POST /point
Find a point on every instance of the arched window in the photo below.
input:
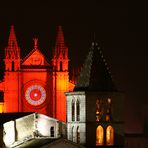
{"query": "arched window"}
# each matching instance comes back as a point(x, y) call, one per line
point(73, 110)
point(99, 135)
point(109, 135)
point(108, 111)
point(78, 134)
point(72, 134)
point(108, 116)
point(78, 110)
point(98, 110)
point(52, 131)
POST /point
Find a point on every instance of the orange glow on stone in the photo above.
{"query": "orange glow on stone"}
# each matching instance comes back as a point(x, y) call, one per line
point(110, 135)
point(1, 107)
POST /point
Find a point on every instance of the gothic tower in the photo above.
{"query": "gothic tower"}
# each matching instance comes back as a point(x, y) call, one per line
point(95, 108)
point(11, 78)
point(60, 75)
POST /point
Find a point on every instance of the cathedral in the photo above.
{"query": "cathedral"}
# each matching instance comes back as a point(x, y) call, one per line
point(33, 84)
point(87, 113)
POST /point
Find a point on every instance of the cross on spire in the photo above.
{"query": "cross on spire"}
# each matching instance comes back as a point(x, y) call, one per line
point(35, 43)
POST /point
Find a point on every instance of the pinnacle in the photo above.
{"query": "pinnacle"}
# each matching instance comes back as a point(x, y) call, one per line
point(35, 43)
point(60, 36)
point(12, 38)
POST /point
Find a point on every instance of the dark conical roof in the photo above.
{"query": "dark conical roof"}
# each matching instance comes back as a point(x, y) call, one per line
point(95, 75)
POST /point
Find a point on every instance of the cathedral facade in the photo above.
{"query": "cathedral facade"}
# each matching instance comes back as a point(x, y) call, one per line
point(33, 84)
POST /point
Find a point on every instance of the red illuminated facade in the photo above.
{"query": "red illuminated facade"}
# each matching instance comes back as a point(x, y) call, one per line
point(33, 84)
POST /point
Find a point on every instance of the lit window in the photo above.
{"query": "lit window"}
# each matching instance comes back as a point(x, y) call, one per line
point(109, 135)
point(73, 110)
point(109, 100)
point(78, 110)
point(98, 110)
point(108, 111)
point(99, 135)
point(108, 115)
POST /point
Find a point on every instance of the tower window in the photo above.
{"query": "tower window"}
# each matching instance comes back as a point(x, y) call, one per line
point(61, 66)
point(108, 116)
point(109, 100)
point(109, 135)
point(52, 131)
point(12, 65)
point(99, 135)
point(108, 111)
point(73, 110)
point(78, 134)
point(98, 110)
point(72, 134)
point(78, 110)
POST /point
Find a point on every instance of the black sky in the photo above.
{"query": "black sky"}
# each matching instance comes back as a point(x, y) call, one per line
point(119, 27)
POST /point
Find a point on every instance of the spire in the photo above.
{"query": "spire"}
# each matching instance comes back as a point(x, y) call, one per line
point(12, 36)
point(60, 48)
point(12, 50)
point(95, 75)
point(60, 54)
point(60, 36)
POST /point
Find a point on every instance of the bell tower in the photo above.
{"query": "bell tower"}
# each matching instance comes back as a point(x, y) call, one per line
point(12, 68)
point(95, 107)
point(60, 75)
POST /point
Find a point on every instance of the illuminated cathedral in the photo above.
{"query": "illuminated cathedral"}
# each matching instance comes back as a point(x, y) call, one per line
point(88, 113)
point(33, 84)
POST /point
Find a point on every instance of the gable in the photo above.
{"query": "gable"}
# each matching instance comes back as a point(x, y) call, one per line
point(35, 58)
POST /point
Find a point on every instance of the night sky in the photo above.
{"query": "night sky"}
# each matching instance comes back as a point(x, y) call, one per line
point(119, 28)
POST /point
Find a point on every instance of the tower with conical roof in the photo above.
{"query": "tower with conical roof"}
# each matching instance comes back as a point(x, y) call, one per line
point(95, 108)
point(11, 78)
point(95, 74)
point(60, 75)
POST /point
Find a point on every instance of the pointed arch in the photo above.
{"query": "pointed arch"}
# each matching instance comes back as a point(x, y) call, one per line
point(73, 110)
point(78, 110)
point(78, 134)
point(109, 135)
point(99, 135)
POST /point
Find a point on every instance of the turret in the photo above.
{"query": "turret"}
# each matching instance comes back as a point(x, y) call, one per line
point(60, 75)
point(60, 54)
point(12, 53)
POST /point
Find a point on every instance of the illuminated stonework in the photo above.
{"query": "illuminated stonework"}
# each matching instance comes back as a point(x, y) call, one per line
point(34, 84)
point(35, 95)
